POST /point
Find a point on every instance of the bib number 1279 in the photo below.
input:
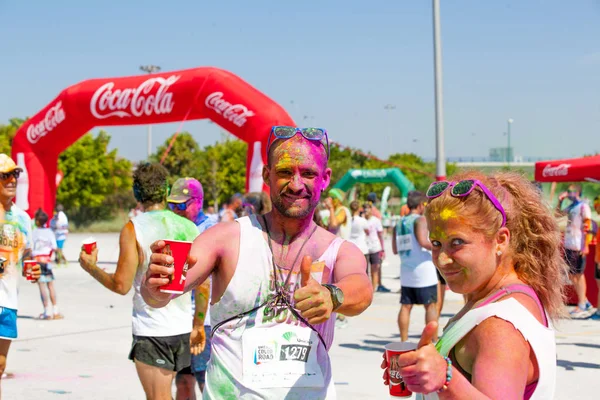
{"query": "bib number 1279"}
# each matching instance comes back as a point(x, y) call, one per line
point(294, 352)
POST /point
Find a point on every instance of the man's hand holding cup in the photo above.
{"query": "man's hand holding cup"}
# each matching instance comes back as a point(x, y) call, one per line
point(160, 269)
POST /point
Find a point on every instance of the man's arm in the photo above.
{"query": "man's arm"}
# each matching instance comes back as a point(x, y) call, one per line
point(201, 301)
point(206, 254)
point(121, 280)
point(422, 234)
point(394, 245)
point(351, 277)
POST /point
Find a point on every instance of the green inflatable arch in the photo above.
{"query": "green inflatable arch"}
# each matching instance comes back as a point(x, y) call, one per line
point(393, 175)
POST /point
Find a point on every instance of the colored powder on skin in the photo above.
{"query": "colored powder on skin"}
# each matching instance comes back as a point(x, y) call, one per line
point(447, 214)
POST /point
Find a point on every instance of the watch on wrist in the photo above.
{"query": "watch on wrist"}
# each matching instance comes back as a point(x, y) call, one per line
point(337, 296)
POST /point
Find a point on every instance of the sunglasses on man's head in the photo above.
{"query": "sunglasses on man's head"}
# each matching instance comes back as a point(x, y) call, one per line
point(6, 175)
point(463, 189)
point(287, 132)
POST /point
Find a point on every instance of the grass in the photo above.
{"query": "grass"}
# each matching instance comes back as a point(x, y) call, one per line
point(108, 226)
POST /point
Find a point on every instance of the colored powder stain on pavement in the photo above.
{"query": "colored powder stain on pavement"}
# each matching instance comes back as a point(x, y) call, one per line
point(59, 391)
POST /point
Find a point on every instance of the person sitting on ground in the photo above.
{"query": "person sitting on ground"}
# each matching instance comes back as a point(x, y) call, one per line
point(494, 240)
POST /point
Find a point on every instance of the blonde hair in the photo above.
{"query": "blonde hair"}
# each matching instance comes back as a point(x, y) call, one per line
point(535, 243)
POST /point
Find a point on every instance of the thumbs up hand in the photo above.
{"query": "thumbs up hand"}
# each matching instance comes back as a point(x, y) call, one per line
point(312, 299)
point(424, 370)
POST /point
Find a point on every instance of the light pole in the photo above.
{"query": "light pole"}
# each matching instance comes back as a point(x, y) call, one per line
point(150, 69)
point(440, 169)
point(508, 157)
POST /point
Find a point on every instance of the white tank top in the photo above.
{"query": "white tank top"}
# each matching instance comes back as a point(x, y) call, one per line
point(249, 287)
point(175, 317)
point(540, 338)
point(416, 269)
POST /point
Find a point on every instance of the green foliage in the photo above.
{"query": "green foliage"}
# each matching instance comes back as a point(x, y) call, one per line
point(95, 182)
point(7, 133)
point(221, 168)
point(183, 158)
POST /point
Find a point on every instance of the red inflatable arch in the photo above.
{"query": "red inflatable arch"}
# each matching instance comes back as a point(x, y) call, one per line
point(195, 93)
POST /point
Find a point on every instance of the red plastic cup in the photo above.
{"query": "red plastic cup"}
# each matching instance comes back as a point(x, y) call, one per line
point(179, 250)
point(28, 264)
point(397, 386)
point(89, 245)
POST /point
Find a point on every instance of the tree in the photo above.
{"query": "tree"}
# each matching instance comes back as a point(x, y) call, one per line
point(183, 158)
point(7, 133)
point(222, 170)
point(95, 181)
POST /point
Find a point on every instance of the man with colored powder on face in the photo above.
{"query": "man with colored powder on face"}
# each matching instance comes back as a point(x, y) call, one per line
point(186, 199)
point(274, 309)
point(15, 247)
point(161, 337)
point(576, 244)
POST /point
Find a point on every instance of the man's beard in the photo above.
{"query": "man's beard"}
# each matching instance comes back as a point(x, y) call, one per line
point(295, 213)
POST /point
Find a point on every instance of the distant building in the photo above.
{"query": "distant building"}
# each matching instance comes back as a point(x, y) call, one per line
point(500, 154)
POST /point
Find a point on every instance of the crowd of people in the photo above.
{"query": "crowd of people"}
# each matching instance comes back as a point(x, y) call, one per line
point(279, 271)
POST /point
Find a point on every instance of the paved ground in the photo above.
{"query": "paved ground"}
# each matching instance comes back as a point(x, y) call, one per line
point(84, 356)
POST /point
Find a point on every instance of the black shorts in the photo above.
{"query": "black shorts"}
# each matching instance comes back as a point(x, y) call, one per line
point(374, 258)
point(422, 295)
point(597, 269)
point(168, 352)
point(575, 260)
point(440, 277)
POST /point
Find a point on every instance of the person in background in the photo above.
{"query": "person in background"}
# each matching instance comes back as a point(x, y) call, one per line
point(232, 208)
point(339, 221)
point(60, 226)
point(360, 229)
point(210, 211)
point(186, 199)
point(44, 244)
point(372, 197)
point(15, 247)
point(596, 315)
point(418, 277)
point(576, 244)
point(376, 247)
point(161, 337)
point(254, 203)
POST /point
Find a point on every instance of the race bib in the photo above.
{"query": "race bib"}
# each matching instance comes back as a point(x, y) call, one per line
point(281, 356)
point(404, 242)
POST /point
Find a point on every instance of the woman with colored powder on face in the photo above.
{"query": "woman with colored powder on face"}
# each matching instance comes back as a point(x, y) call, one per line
point(499, 245)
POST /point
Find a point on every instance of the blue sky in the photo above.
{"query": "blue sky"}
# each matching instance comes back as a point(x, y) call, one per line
point(336, 62)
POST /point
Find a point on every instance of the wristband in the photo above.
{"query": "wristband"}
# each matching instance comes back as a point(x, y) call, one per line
point(448, 375)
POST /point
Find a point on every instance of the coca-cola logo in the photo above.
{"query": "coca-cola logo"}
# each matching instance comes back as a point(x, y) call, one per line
point(108, 102)
point(236, 113)
point(559, 170)
point(54, 116)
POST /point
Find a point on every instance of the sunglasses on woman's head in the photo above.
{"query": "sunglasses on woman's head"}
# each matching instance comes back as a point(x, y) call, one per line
point(6, 175)
point(463, 189)
point(287, 132)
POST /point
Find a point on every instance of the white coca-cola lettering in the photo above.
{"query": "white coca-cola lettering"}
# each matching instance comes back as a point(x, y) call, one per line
point(136, 102)
point(236, 113)
point(559, 170)
point(54, 116)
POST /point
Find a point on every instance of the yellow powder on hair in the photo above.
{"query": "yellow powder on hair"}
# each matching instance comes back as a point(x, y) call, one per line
point(447, 214)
